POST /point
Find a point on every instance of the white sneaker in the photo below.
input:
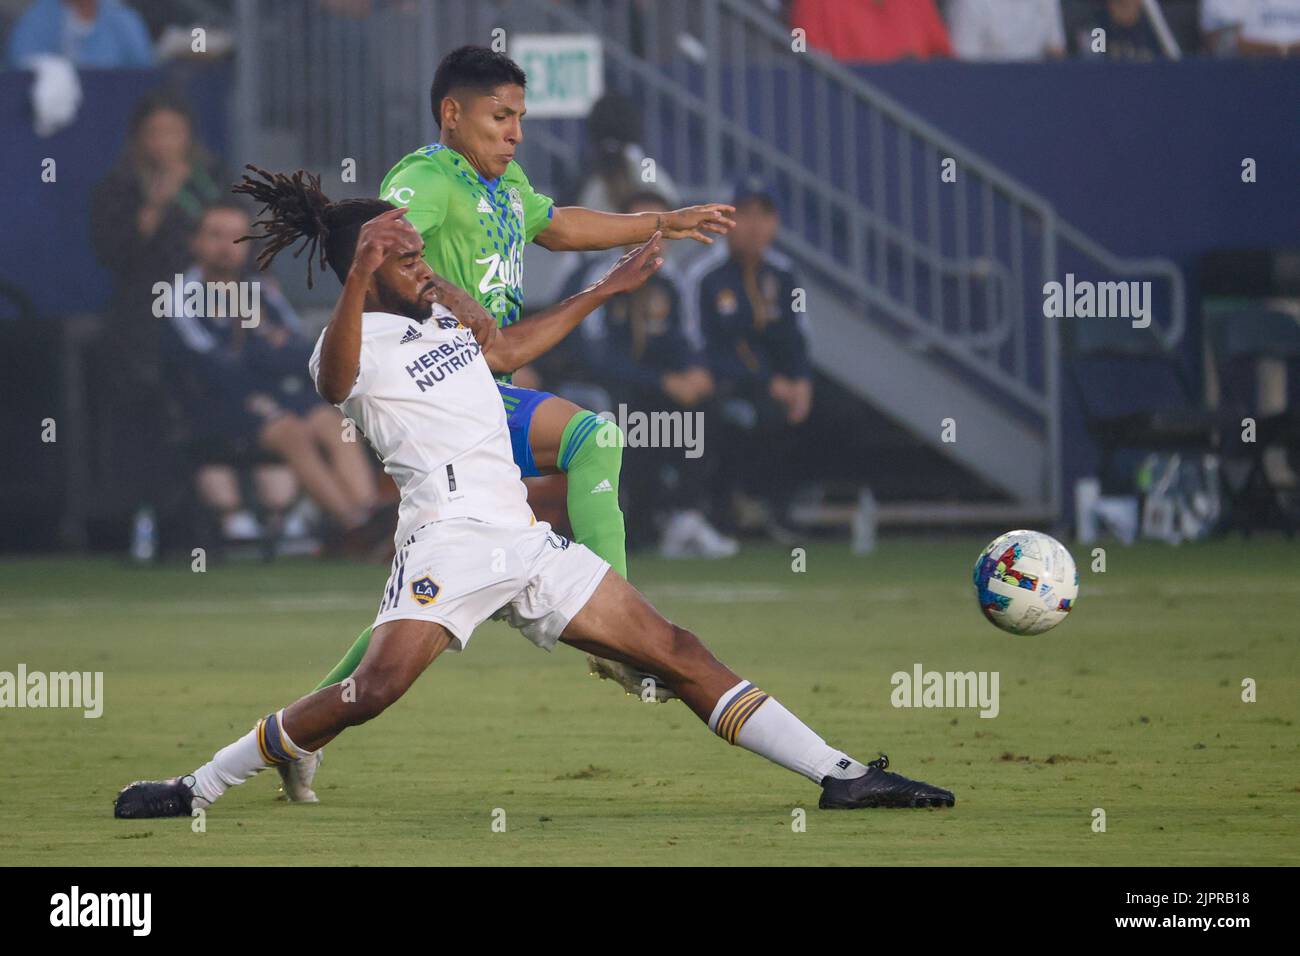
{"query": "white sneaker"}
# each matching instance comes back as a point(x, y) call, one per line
point(300, 520)
point(689, 535)
point(678, 539)
point(296, 778)
point(240, 526)
point(712, 543)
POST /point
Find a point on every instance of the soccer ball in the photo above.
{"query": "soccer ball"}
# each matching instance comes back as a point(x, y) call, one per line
point(1026, 582)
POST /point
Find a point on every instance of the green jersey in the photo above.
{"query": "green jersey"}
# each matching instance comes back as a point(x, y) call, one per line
point(474, 229)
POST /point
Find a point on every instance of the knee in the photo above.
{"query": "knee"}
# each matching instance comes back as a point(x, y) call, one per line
point(286, 433)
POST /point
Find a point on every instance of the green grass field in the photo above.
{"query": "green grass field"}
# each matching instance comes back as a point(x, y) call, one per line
point(1133, 705)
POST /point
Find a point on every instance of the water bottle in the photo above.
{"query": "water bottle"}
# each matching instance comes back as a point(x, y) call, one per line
point(864, 523)
point(144, 536)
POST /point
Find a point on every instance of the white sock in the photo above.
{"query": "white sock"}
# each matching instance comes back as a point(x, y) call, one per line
point(751, 719)
point(264, 746)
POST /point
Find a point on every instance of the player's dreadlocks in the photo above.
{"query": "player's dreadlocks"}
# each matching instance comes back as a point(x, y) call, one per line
point(294, 207)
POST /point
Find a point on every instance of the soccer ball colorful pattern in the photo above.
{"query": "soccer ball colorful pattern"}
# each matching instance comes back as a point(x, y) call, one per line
point(1026, 582)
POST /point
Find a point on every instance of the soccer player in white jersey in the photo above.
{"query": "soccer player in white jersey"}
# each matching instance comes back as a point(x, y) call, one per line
point(415, 380)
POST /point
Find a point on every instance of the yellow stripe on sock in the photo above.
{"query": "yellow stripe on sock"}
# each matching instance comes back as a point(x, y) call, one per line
point(732, 709)
point(742, 718)
point(261, 741)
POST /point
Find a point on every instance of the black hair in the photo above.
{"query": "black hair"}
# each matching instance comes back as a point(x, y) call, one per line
point(614, 119)
point(293, 208)
point(156, 101)
point(472, 67)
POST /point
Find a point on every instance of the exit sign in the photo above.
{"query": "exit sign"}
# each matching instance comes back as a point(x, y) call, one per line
point(565, 72)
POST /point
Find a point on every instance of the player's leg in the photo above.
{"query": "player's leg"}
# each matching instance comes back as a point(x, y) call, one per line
point(399, 652)
point(589, 450)
point(548, 433)
point(551, 434)
point(618, 622)
point(344, 668)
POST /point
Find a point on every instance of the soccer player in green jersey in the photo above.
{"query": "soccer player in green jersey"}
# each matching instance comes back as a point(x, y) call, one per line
point(475, 209)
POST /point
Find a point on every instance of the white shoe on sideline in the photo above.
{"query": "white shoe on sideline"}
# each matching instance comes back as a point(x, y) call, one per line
point(688, 534)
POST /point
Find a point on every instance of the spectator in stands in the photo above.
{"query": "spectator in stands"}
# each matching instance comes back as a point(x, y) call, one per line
point(142, 216)
point(638, 351)
point(616, 158)
point(872, 32)
point(102, 34)
point(1129, 33)
point(1006, 29)
point(1252, 27)
point(744, 304)
point(247, 390)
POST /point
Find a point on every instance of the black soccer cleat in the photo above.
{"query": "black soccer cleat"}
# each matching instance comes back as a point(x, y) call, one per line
point(879, 788)
point(155, 798)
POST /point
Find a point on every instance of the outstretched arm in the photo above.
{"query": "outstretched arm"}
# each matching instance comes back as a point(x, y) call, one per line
point(518, 344)
point(340, 355)
point(581, 229)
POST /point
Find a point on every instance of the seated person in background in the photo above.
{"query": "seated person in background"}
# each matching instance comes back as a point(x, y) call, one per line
point(637, 350)
point(1129, 34)
point(1005, 30)
point(218, 490)
point(102, 34)
point(247, 389)
point(743, 308)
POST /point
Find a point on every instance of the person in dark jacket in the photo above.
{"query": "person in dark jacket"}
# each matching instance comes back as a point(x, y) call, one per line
point(747, 309)
point(637, 350)
point(142, 217)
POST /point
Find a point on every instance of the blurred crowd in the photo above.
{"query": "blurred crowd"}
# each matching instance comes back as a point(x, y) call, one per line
point(134, 33)
point(718, 334)
point(206, 386)
point(718, 337)
point(874, 31)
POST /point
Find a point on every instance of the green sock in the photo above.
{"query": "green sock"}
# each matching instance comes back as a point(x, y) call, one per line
point(591, 454)
point(350, 662)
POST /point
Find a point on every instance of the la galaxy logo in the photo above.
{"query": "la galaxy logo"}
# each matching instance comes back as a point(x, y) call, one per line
point(424, 591)
point(726, 302)
point(446, 323)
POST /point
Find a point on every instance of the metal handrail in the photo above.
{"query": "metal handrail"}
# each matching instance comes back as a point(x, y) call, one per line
point(959, 272)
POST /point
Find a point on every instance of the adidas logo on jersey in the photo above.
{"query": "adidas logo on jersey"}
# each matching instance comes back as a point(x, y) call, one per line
point(484, 205)
point(603, 486)
point(412, 333)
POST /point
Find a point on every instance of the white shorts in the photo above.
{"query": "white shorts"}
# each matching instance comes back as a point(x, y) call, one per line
point(460, 572)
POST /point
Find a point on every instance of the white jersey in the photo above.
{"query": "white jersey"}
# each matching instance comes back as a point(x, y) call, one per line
point(427, 403)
